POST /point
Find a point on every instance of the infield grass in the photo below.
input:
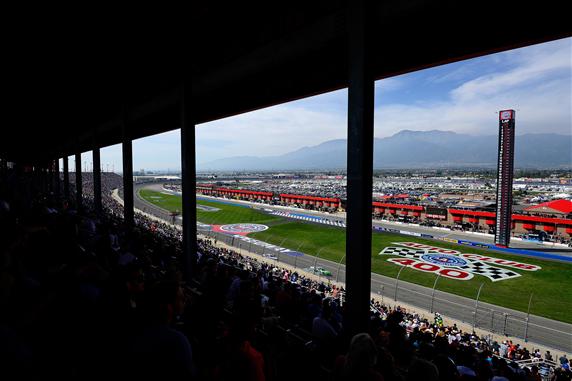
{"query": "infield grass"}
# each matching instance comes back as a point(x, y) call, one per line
point(550, 286)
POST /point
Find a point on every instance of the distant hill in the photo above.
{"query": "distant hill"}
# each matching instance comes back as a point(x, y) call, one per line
point(415, 149)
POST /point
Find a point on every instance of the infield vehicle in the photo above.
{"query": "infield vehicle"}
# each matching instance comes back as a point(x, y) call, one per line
point(320, 271)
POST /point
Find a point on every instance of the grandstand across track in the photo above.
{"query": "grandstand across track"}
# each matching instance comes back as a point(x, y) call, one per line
point(559, 250)
point(541, 330)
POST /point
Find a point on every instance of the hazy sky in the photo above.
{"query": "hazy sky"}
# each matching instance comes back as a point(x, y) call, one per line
point(463, 97)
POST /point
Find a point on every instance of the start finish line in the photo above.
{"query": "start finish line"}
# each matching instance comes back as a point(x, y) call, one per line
point(452, 263)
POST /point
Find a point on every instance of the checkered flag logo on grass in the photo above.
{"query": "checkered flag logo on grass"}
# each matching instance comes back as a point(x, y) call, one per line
point(433, 256)
point(404, 252)
point(491, 272)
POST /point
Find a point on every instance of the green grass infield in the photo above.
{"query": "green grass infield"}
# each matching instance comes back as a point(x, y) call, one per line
point(550, 285)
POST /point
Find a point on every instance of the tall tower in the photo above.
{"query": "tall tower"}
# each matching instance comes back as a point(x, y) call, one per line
point(505, 171)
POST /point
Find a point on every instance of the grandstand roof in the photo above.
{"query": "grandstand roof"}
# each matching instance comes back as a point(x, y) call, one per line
point(67, 78)
point(244, 191)
point(556, 206)
point(515, 217)
point(311, 198)
point(397, 206)
point(473, 213)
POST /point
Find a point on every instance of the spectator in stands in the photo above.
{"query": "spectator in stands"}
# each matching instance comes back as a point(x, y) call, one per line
point(564, 362)
point(446, 368)
point(422, 370)
point(235, 342)
point(534, 374)
point(504, 349)
point(560, 375)
point(239, 359)
point(504, 372)
point(323, 327)
point(548, 356)
point(359, 363)
point(157, 350)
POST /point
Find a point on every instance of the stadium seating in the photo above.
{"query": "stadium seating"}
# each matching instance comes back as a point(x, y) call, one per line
point(85, 298)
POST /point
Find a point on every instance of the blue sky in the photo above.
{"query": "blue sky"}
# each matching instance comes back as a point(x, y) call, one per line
point(462, 97)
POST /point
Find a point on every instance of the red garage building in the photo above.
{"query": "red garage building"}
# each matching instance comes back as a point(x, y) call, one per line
point(326, 202)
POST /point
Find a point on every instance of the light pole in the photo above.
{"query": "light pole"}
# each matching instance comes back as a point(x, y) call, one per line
point(433, 293)
point(505, 321)
point(279, 249)
point(316, 261)
point(527, 319)
point(264, 246)
point(339, 265)
point(297, 252)
point(476, 306)
point(318, 256)
point(397, 282)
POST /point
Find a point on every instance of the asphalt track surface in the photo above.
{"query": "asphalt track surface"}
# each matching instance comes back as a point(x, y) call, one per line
point(499, 320)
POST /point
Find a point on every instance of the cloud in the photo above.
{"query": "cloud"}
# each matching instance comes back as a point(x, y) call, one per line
point(535, 69)
point(160, 151)
point(389, 84)
point(462, 97)
point(111, 157)
point(271, 131)
point(283, 128)
point(537, 85)
point(535, 81)
point(454, 72)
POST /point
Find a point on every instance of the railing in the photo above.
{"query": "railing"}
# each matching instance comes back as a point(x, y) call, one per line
point(545, 367)
point(477, 315)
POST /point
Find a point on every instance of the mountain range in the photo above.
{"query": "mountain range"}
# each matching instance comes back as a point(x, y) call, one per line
point(414, 149)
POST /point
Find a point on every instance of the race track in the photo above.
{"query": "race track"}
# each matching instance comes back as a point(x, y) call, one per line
point(500, 320)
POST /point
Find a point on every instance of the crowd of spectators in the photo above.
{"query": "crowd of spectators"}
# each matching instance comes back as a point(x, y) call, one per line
point(336, 188)
point(86, 298)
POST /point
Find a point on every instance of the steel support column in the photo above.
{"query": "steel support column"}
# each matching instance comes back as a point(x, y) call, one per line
point(188, 174)
point(3, 174)
point(46, 177)
point(66, 178)
point(57, 178)
point(78, 183)
point(48, 180)
point(37, 175)
point(128, 213)
point(359, 170)
point(52, 176)
point(96, 171)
